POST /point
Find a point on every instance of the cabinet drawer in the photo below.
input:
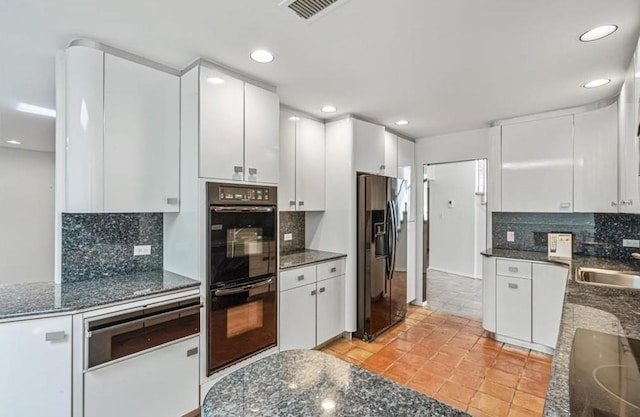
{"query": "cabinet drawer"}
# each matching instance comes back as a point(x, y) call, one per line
point(294, 278)
point(331, 269)
point(516, 269)
point(513, 309)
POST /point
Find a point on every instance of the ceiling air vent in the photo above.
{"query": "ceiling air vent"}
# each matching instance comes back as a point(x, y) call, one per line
point(311, 9)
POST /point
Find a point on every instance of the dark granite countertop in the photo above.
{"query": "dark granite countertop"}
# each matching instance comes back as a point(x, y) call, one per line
point(599, 308)
point(305, 257)
point(311, 383)
point(36, 298)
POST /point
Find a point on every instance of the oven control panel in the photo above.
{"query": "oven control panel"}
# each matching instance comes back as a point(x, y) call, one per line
point(236, 194)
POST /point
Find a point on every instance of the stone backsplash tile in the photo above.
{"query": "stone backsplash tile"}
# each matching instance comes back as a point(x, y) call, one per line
point(101, 245)
point(292, 222)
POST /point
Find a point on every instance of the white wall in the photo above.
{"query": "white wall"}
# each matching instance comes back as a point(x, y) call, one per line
point(453, 217)
point(26, 215)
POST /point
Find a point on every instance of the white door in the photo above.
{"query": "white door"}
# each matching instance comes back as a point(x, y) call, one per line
point(310, 165)
point(287, 184)
point(221, 126)
point(163, 383)
point(489, 294)
point(370, 147)
point(35, 359)
point(141, 138)
point(298, 318)
point(390, 155)
point(330, 309)
point(595, 164)
point(537, 166)
point(549, 283)
point(261, 125)
point(513, 307)
point(406, 171)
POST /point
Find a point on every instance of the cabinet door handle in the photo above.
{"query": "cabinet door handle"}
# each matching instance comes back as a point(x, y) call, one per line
point(383, 167)
point(314, 292)
point(513, 269)
point(192, 352)
point(55, 336)
point(292, 203)
point(253, 171)
point(334, 269)
point(300, 277)
point(565, 205)
point(627, 202)
point(238, 169)
point(614, 204)
point(301, 203)
point(514, 286)
point(172, 200)
point(323, 289)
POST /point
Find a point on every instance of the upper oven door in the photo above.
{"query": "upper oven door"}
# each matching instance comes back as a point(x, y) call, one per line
point(242, 243)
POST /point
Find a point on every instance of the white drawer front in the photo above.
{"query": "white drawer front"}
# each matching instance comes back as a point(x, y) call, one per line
point(516, 269)
point(331, 269)
point(293, 278)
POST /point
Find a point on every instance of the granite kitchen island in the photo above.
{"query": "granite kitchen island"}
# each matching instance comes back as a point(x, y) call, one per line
point(311, 383)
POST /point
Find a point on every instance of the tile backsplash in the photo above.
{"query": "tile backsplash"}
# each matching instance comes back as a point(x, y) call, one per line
point(101, 245)
point(292, 222)
point(595, 234)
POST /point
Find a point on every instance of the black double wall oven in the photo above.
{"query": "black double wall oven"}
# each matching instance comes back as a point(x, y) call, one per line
point(241, 272)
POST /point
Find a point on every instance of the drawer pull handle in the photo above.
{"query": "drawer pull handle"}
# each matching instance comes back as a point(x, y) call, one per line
point(55, 336)
point(192, 352)
point(301, 278)
point(314, 292)
point(172, 200)
point(301, 203)
point(238, 169)
point(514, 286)
point(334, 269)
point(253, 171)
point(292, 203)
point(323, 289)
point(513, 269)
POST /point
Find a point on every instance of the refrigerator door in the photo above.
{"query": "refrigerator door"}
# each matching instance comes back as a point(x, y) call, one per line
point(398, 237)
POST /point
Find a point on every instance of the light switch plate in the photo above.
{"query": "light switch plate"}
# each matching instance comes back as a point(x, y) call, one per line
point(288, 237)
point(631, 243)
point(140, 250)
point(511, 237)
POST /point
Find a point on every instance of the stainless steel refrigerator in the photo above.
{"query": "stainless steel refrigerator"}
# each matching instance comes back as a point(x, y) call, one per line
point(382, 233)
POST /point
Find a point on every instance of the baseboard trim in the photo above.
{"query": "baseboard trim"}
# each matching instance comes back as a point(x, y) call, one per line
point(446, 271)
point(524, 344)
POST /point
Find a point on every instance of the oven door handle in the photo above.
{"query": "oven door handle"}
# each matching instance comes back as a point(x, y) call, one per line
point(240, 209)
point(243, 288)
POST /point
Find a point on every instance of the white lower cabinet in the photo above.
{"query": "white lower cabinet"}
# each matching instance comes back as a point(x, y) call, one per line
point(35, 358)
point(163, 382)
point(513, 309)
point(489, 294)
point(298, 318)
point(330, 309)
point(549, 283)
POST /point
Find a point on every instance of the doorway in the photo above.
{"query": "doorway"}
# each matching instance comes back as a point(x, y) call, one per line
point(455, 233)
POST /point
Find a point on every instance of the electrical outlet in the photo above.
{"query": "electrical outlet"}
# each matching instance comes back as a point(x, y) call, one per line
point(140, 250)
point(511, 237)
point(288, 237)
point(631, 243)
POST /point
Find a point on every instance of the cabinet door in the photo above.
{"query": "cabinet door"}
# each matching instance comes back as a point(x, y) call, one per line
point(549, 283)
point(629, 152)
point(163, 382)
point(221, 126)
point(390, 155)
point(406, 171)
point(287, 184)
point(310, 166)
point(537, 166)
point(298, 318)
point(261, 125)
point(595, 164)
point(513, 307)
point(35, 358)
point(330, 309)
point(141, 138)
point(489, 294)
point(370, 146)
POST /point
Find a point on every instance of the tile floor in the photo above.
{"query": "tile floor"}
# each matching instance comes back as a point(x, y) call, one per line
point(454, 294)
point(452, 359)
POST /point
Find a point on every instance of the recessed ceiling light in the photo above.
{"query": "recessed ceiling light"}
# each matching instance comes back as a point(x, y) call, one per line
point(14, 142)
point(597, 83)
point(294, 118)
point(329, 109)
point(598, 33)
point(402, 122)
point(215, 80)
point(40, 111)
point(262, 56)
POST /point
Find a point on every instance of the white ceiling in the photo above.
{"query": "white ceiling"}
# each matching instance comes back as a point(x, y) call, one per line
point(444, 65)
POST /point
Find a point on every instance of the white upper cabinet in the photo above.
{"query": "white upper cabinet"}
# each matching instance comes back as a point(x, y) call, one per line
point(390, 155)
point(141, 138)
point(221, 125)
point(261, 124)
point(537, 166)
point(406, 171)
point(287, 184)
point(595, 166)
point(122, 122)
point(239, 125)
point(628, 130)
point(370, 147)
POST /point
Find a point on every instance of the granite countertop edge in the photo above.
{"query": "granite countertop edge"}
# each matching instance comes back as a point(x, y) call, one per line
point(295, 259)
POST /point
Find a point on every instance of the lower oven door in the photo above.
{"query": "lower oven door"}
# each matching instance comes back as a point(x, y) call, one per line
point(242, 322)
